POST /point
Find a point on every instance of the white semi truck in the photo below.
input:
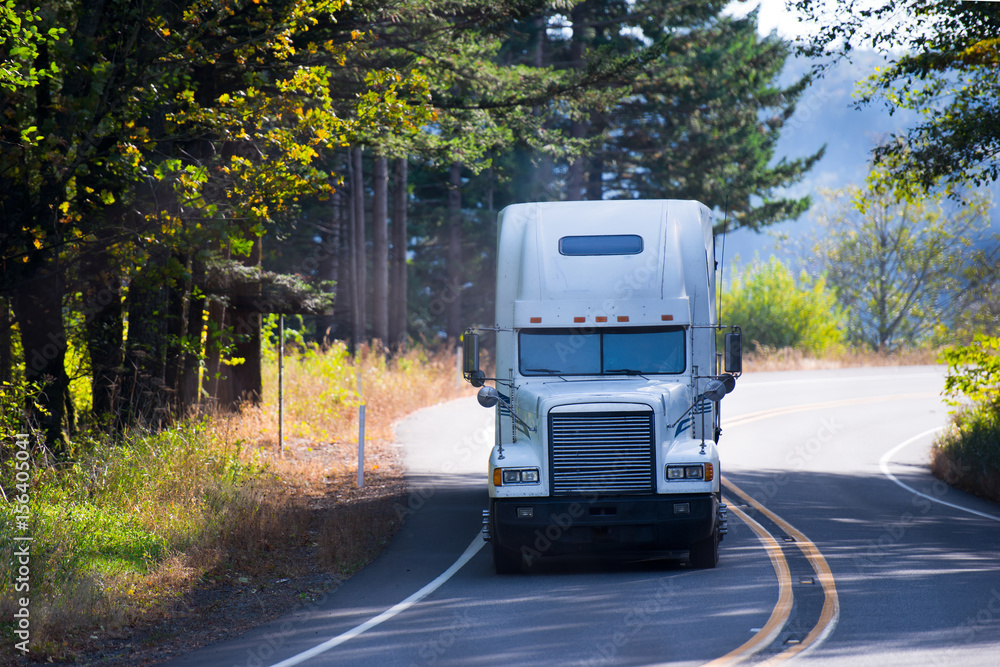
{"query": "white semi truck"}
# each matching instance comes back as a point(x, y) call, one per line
point(607, 383)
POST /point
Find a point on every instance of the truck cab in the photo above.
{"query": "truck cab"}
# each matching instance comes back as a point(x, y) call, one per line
point(607, 383)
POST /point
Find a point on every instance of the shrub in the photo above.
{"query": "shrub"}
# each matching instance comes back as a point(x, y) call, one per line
point(967, 455)
point(777, 311)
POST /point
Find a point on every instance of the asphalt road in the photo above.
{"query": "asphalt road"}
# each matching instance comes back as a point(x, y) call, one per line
point(842, 550)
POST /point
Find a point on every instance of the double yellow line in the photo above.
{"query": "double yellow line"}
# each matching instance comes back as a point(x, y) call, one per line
point(783, 609)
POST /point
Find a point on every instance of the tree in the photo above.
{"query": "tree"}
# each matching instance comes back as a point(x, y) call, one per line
point(697, 117)
point(980, 310)
point(648, 120)
point(703, 121)
point(775, 310)
point(167, 136)
point(897, 266)
point(945, 64)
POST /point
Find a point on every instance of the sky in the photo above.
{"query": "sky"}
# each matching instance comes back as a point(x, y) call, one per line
point(773, 16)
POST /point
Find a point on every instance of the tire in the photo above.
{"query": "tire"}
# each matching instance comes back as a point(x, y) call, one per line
point(705, 554)
point(505, 561)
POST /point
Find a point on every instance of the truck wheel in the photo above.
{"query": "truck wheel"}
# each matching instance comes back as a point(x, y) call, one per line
point(505, 561)
point(705, 554)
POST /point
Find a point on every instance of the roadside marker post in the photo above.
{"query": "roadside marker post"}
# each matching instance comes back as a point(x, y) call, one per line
point(361, 435)
point(281, 385)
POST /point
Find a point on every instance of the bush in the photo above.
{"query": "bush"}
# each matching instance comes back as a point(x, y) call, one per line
point(777, 311)
point(967, 455)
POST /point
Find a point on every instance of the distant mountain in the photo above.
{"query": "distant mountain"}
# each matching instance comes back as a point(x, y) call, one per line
point(826, 114)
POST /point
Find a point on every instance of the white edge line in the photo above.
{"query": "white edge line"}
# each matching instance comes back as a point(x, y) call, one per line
point(470, 551)
point(884, 465)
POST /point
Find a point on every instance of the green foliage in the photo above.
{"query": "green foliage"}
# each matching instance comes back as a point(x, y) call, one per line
point(775, 310)
point(20, 38)
point(974, 372)
point(968, 453)
point(15, 397)
point(944, 63)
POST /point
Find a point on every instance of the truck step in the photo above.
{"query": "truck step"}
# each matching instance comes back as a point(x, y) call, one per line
point(486, 525)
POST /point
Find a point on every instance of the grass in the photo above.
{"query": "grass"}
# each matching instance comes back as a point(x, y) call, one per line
point(967, 454)
point(764, 358)
point(138, 529)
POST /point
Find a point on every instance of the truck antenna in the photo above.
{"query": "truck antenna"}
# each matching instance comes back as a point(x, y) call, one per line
point(722, 265)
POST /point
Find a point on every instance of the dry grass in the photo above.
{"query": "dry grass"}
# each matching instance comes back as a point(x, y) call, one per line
point(789, 359)
point(178, 538)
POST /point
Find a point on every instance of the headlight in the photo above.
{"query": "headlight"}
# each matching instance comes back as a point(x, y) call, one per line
point(702, 471)
point(503, 476)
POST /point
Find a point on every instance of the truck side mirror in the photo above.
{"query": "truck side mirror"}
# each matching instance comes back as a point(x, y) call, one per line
point(715, 390)
point(488, 397)
point(470, 360)
point(734, 352)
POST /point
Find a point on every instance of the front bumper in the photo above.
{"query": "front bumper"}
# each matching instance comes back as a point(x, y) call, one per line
point(626, 524)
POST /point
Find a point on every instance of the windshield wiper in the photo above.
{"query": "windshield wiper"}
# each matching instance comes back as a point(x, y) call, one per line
point(542, 370)
point(624, 371)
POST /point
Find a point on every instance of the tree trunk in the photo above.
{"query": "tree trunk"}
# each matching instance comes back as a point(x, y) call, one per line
point(360, 264)
point(380, 251)
point(37, 305)
point(400, 244)
point(540, 30)
point(144, 386)
point(177, 329)
point(188, 386)
point(578, 128)
point(328, 270)
point(215, 341)
point(452, 294)
point(105, 329)
point(245, 378)
point(246, 384)
point(6, 323)
point(343, 303)
point(595, 179)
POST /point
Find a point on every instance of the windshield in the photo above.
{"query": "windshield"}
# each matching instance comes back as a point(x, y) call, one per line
point(638, 351)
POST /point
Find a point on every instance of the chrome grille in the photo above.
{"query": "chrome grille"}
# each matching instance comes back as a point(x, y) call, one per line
point(601, 452)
